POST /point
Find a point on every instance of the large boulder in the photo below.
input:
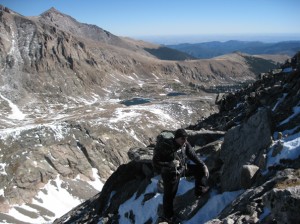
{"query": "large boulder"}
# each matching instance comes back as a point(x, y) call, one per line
point(243, 145)
point(248, 175)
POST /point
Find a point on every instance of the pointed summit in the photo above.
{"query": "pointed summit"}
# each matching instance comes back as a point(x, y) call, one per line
point(57, 18)
point(51, 12)
point(52, 9)
point(67, 23)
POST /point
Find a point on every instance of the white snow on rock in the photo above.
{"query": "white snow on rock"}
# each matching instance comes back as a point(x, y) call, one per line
point(53, 197)
point(280, 101)
point(97, 184)
point(291, 149)
point(214, 206)
point(59, 130)
point(2, 169)
point(143, 211)
point(16, 114)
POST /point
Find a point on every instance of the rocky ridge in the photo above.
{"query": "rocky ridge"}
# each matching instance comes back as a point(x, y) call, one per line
point(254, 166)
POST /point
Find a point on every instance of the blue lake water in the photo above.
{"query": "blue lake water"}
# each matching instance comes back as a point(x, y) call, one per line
point(142, 100)
point(135, 101)
point(176, 94)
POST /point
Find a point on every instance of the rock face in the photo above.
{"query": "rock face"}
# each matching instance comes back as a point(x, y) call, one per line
point(242, 146)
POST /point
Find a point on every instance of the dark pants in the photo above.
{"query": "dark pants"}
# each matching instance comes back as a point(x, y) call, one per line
point(171, 181)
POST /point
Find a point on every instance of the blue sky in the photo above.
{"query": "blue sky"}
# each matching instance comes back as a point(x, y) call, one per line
point(174, 17)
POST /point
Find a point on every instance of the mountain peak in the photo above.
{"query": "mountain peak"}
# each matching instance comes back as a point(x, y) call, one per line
point(51, 11)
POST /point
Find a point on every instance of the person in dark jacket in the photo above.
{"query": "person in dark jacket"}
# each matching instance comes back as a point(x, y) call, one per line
point(171, 163)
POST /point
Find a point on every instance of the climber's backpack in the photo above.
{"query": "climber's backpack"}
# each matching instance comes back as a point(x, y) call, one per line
point(163, 149)
point(164, 143)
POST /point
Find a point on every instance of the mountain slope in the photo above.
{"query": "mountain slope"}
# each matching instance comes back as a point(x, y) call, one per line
point(254, 168)
point(33, 47)
point(87, 31)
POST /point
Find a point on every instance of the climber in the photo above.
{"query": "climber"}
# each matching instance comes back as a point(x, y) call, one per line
point(170, 160)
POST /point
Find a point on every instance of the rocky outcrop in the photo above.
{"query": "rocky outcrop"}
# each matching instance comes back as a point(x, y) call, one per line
point(244, 145)
point(283, 200)
point(258, 204)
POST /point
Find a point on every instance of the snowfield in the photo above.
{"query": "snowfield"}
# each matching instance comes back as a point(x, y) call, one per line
point(54, 198)
point(148, 210)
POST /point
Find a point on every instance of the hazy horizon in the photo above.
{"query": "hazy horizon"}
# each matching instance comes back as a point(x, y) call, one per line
point(180, 39)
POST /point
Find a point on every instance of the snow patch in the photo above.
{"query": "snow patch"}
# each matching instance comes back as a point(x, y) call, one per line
point(279, 101)
point(96, 184)
point(122, 114)
point(136, 76)
point(2, 169)
point(51, 197)
point(23, 218)
point(134, 136)
point(214, 206)
point(14, 50)
point(155, 76)
point(146, 210)
point(56, 199)
point(94, 99)
point(16, 114)
point(291, 150)
point(60, 130)
point(143, 210)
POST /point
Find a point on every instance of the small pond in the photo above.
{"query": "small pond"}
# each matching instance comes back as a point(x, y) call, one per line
point(135, 101)
point(176, 94)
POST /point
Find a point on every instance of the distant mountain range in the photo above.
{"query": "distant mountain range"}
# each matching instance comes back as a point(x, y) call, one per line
point(216, 48)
